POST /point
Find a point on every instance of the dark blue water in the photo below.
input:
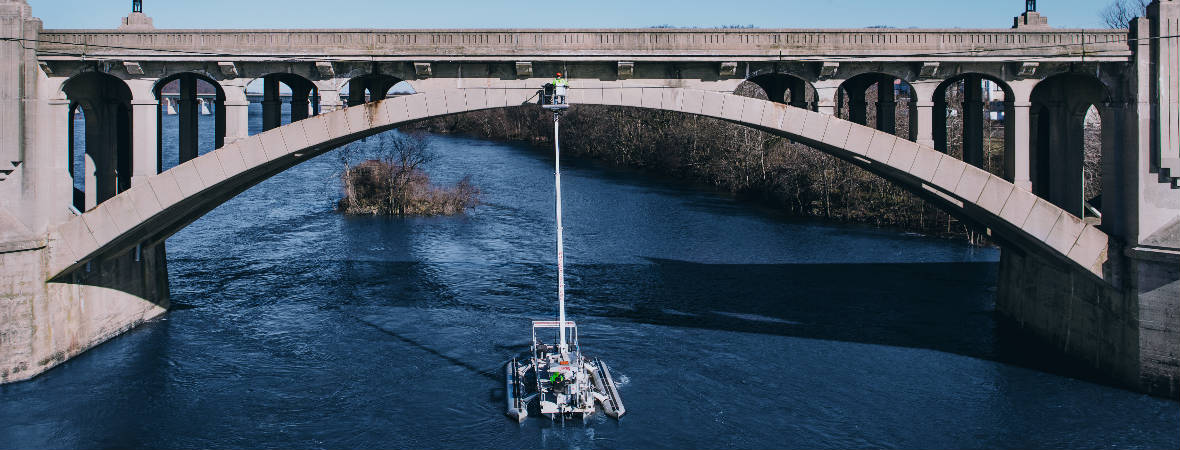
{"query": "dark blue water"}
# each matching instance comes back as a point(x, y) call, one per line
point(728, 327)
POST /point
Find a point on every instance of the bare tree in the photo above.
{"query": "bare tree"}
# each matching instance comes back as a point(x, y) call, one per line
point(406, 154)
point(1118, 13)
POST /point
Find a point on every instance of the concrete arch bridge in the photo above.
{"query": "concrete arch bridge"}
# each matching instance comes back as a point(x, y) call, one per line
point(82, 243)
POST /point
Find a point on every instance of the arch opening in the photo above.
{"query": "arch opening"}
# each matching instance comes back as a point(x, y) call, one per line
point(373, 87)
point(973, 116)
point(249, 164)
point(1067, 144)
point(885, 101)
point(195, 100)
point(285, 98)
point(99, 141)
point(781, 88)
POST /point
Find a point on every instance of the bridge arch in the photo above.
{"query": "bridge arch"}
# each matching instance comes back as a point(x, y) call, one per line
point(1060, 105)
point(102, 161)
point(167, 202)
point(975, 104)
point(190, 106)
point(852, 102)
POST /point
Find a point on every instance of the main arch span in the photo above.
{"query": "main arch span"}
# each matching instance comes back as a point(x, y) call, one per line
point(167, 202)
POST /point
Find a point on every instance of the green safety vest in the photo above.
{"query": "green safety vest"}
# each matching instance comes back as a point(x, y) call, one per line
point(560, 82)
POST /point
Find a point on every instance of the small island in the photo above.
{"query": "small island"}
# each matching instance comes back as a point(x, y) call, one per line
point(393, 183)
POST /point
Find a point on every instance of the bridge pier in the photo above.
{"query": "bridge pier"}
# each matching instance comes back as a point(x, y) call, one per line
point(1127, 335)
point(48, 322)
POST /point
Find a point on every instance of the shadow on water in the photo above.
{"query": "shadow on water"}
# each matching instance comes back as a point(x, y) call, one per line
point(490, 374)
point(953, 312)
point(877, 304)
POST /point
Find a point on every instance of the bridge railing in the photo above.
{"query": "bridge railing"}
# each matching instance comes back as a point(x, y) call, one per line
point(629, 43)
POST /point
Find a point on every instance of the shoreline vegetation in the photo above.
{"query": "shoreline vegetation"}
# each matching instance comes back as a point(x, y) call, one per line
point(395, 184)
point(790, 177)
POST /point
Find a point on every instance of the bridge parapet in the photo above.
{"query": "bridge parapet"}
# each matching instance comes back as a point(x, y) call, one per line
point(595, 44)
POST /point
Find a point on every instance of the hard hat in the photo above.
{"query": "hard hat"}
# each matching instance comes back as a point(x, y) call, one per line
point(559, 74)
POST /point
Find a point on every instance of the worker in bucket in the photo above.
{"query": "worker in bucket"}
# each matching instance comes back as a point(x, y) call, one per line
point(559, 85)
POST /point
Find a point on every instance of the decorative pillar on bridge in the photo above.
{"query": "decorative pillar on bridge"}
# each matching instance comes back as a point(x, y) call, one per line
point(237, 109)
point(923, 112)
point(1018, 127)
point(145, 110)
point(329, 95)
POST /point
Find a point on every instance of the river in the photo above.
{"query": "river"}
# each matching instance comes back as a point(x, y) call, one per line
point(728, 326)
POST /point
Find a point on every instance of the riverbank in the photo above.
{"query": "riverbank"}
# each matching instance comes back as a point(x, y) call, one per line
point(790, 177)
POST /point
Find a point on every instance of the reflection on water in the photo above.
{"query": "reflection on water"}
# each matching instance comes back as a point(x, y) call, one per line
point(730, 328)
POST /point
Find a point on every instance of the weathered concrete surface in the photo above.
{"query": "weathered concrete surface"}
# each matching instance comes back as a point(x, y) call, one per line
point(630, 45)
point(1155, 282)
point(43, 324)
point(1130, 336)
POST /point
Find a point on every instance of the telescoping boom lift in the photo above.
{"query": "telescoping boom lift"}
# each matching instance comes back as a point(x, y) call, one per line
point(565, 383)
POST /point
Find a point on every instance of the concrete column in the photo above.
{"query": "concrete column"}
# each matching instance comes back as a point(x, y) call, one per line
point(145, 113)
point(58, 126)
point(299, 104)
point(90, 182)
point(973, 121)
point(922, 114)
point(14, 85)
point(237, 110)
point(857, 106)
point(1068, 168)
point(219, 123)
point(101, 153)
point(886, 106)
point(938, 125)
point(124, 158)
point(356, 92)
point(188, 116)
point(1009, 139)
point(329, 95)
point(826, 93)
point(1017, 160)
point(272, 104)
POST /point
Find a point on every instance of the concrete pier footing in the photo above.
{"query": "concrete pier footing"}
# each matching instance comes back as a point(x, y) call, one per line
point(44, 323)
point(1129, 336)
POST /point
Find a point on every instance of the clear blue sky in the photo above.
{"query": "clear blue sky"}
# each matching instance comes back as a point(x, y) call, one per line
point(592, 13)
